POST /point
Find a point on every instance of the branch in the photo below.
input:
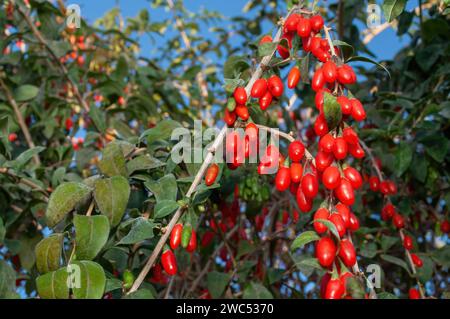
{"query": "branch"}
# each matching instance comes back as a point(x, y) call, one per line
point(23, 126)
point(209, 157)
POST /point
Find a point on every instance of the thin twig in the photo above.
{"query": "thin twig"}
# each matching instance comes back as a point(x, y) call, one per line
point(20, 120)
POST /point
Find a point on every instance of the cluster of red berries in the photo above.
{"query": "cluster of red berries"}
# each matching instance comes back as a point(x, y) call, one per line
point(180, 235)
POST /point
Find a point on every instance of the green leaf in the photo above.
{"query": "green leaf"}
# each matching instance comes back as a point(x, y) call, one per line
point(98, 117)
point(162, 131)
point(48, 253)
point(53, 285)
point(113, 161)
point(346, 48)
point(437, 147)
point(140, 294)
point(425, 273)
point(368, 60)
point(25, 93)
point(368, 250)
point(331, 110)
point(234, 66)
point(331, 227)
point(442, 256)
point(63, 200)
point(217, 282)
point(304, 238)
point(255, 290)
point(395, 261)
point(403, 158)
point(7, 279)
point(91, 235)
point(164, 189)
point(92, 280)
point(141, 229)
point(266, 48)
point(419, 167)
point(25, 157)
point(143, 162)
point(386, 295)
point(164, 208)
point(274, 275)
point(387, 242)
point(355, 288)
point(404, 22)
point(393, 8)
point(112, 195)
point(27, 249)
point(2, 231)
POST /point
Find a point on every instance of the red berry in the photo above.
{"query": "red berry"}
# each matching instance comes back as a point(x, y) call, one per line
point(321, 213)
point(316, 23)
point(240, 96)
point(303, 202)
point(303, 28)
point(296, 172)
point(259, 88)
point(175, 236)
point(353, 222)
point(347, 253)
point(344, 192)
point(266, 39)
point(275, 86)
point(358, 112)
point(321, 126)
point(169, 262)
point(211, 174)
point(318, 80)
point(325, 251)
point(445, 226)
point(331, 177)
point(192, 242)
point(374, 183)
point(265, 100)
point(346, 105)
point(408, 242)
point(416, 260)
point(354, 177)
point(296, 151)
point(339, 223)
point(323, 160)
point(293, 77)
point(398, 221)
point(230, 117)
point(344, 211)
point(12, 137)
point(329, 71)
point(242, 112)
point(292, 22)
point(326, 143)
point(309, 185)
point(414, 293)
point(340, 148)
point(350, 136)
point(335, 289)
point(283, 179)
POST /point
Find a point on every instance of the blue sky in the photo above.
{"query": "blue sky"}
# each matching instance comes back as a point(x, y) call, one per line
point(384, 46)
